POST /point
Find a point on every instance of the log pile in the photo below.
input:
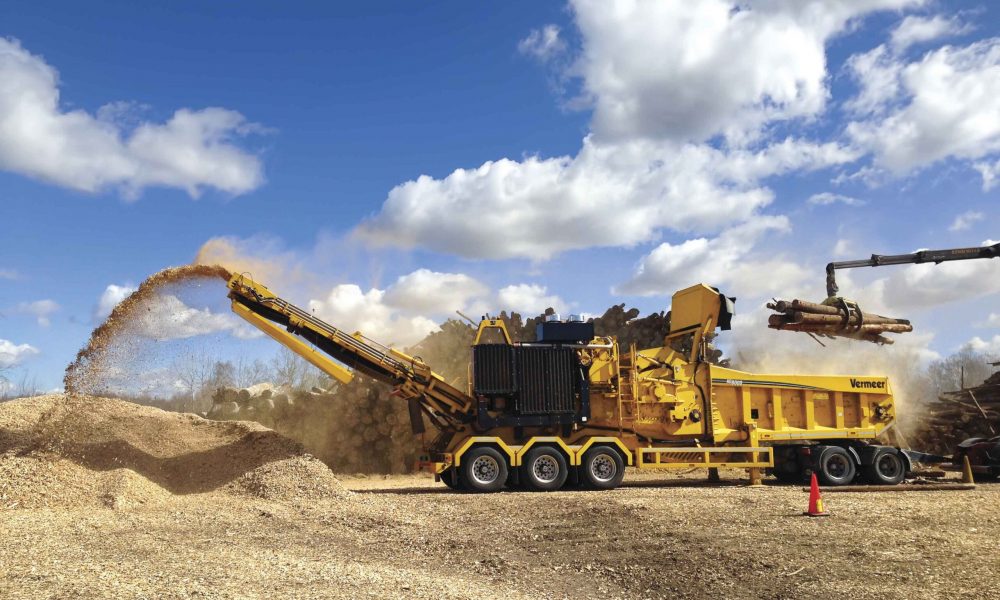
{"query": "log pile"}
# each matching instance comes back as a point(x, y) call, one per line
point(353, 428)
point(834, 318)
point(957, 416)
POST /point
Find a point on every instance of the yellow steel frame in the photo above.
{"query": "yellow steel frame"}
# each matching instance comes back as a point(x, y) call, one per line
point(603, 440)
point(492, 324)
point(571, 452)
point(294, 344)
point(706, 457)
point(516, 453)
point(483, 439)
point(645, 458)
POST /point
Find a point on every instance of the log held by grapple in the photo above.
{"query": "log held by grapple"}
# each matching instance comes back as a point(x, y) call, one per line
point(834, 318)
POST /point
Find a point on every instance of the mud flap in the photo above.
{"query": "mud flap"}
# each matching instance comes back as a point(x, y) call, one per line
point(416, 417)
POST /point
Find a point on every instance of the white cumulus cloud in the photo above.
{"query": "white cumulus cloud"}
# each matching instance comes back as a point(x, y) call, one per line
point(110, 297)
point(716, 261)
point(607, 195)
point(992, 321)
point(990, 346)
point(193, 150)
point(347, 307)
point(529, 299)
point(826, 198)
point(947, 104)
point(12, 354)
point(690, 70)
point(990, 172)
point(665, 80)
point(429, 292)
point(167, 317)
point(411, 307)
point(544, 43)
point(40, 309)
point(915, 29)
point(965, 220)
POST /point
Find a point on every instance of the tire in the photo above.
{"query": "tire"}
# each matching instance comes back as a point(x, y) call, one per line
point(544, 469)
point(834, 466)
point(602, 468)
point(483, 469)
point(787, 468)
point(788, 476)
point(887, 468)
point(450, 479)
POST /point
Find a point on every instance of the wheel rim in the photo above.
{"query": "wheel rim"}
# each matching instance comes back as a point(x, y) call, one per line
point(545, 468)
point(603, 468)
point(888, 466)
point(485, 469)
point(837, 466)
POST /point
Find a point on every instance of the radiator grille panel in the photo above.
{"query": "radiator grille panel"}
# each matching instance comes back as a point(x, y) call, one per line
point(493, 369)
point(545, 378)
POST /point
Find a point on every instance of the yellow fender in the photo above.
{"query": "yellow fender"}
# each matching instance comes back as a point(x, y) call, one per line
point(511, 454)
point(601, 439)
point(574, 459)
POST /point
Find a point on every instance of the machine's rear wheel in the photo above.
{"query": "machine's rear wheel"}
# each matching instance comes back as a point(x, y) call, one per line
point(834, 466)
point(483, 469)
point(786, 476)
point(602, 468)
point(887, 468)
point(451, 479)
point(544, 469)
point(787, 468)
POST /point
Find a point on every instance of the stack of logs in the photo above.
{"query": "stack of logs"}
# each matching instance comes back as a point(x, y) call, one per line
point(353, 428)
point(957, 416)
point(836, 319)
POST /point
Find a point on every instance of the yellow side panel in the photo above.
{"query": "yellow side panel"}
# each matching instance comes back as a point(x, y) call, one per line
point(852, 410)
point(728, 407)
point(760, 401)
point(793, 405)
point(823, 410)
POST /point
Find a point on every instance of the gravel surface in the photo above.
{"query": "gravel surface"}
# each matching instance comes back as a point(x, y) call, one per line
point(276, 525)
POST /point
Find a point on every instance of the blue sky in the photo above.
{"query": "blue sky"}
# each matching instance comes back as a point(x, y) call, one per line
point(610, 152)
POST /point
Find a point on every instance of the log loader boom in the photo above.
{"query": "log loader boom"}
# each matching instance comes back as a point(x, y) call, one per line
point(923, 256)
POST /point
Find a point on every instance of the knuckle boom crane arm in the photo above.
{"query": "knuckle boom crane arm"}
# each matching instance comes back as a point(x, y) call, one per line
point(923, 256)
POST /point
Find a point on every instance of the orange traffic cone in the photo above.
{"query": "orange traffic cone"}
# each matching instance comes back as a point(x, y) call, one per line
point(815, 500)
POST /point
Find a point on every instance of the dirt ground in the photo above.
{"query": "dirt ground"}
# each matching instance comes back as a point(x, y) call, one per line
point(194, 508)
